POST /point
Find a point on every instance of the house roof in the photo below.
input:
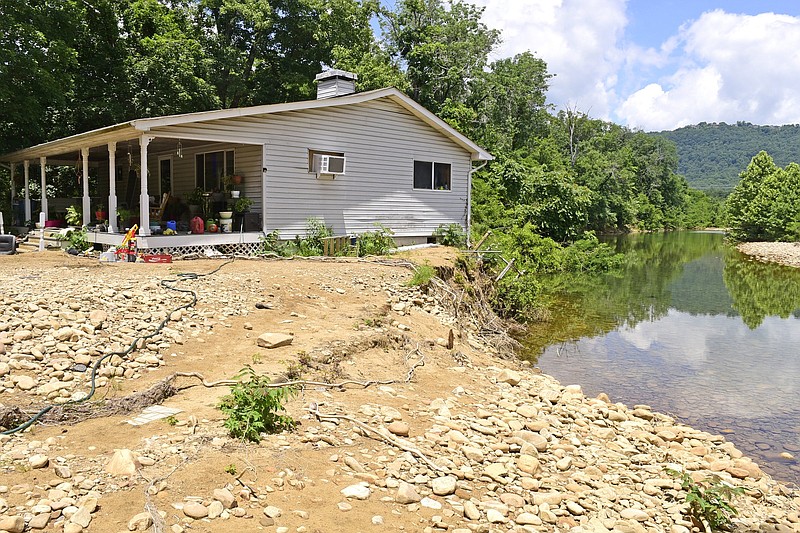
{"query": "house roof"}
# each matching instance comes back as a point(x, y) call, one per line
point(133, 129)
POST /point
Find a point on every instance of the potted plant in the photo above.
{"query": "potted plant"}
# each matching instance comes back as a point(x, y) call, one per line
point(124, 216)
point(242, 205)
point(100, 213)
point(195, 200)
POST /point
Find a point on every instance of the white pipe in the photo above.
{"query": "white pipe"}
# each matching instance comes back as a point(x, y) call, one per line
point(112, 187)
point(26, 165)
point(2, 227)
point(43, 173)
point(469, 202)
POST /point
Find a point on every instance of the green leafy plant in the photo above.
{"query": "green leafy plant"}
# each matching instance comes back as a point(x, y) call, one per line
point(422, 276)
point(709, 500)
point(242, 204)
point(254, 407)
point(171, 420)
point(311, 244)
point(450, 235)
point(231, 469)
point(74, 216)
point(271, 244)
point(377, 242)
point(256, 358)
point(195, 197)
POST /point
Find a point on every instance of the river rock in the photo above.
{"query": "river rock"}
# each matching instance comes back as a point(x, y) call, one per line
point(12, 524)
point(274, 340)
point(399, 428)
point(512, 377)
point(140, 522)
point(444, 485)
point(360, 491)
point(272, 511)
point(225, 497)
point(39, 521)
point(195, 510)
point(38, 461)
point(122, 463)
point(406, 493)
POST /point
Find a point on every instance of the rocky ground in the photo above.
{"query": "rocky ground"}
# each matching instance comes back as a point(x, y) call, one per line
point(785, 253)
point(456, 437)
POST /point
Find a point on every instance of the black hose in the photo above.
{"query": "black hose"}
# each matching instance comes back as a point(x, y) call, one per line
point(166, 283)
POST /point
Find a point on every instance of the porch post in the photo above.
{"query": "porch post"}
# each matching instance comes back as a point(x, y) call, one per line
point(13, 220)
point(43, 174)
point(87, 204)
point(144, 198)
point(112, 187)
point(26, 169)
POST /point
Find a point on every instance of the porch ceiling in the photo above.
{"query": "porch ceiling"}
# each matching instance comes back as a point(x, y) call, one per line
point(68, 155)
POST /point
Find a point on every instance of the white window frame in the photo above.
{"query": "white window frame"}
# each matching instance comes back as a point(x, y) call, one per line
point(171, 175)
point(433, 175)
point(225, 166)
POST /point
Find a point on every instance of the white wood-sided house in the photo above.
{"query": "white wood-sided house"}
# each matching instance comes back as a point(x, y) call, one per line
point(349, 159)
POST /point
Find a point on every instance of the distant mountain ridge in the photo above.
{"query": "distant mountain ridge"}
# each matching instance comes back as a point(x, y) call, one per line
point(712, 155)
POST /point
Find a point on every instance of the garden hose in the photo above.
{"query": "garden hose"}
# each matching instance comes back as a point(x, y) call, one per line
point(166, 283)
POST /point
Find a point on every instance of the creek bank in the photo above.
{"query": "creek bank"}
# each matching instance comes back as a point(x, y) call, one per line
point(784, 253)
point(501, 447)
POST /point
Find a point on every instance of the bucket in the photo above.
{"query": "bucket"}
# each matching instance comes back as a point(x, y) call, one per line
point(226, 225)
point(171, 224)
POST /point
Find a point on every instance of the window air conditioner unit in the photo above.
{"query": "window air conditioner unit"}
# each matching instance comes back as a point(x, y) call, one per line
point(329, 164)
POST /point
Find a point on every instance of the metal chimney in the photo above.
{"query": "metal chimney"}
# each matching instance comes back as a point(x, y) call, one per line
point(335, 82)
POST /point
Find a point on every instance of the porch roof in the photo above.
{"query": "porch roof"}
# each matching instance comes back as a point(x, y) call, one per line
point(133, 129)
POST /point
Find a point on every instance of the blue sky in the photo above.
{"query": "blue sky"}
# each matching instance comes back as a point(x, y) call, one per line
point(661, 64)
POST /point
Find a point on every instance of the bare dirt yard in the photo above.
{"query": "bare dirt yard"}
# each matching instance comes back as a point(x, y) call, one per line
point(433, 430)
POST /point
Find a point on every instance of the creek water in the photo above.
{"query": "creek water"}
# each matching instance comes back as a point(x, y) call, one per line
point(692, 328)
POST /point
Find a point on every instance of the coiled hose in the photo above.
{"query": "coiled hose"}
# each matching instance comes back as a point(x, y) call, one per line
point(166, 283)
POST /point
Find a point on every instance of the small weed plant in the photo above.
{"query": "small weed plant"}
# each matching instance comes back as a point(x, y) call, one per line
point(171, 420)
point(422, 276)
point(377, 242)
point(231, 469)
point(451, 235)
point(709, 500)
point(253, 407)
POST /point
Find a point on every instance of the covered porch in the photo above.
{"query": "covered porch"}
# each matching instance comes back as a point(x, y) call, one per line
point(140, 177)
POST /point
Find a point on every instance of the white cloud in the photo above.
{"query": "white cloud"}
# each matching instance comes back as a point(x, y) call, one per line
point(578, 40)
point(730, 67)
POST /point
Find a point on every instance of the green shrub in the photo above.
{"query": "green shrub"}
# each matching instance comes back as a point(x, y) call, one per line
point(518, 297)
point(270, 243)
point(450, 235)
point(311, 244)
point(709, 500)
point(422, 276)
point(254, 408)
point(377, 242)
point(590, 255)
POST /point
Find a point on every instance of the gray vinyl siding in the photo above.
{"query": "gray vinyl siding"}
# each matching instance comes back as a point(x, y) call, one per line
point(380, 140)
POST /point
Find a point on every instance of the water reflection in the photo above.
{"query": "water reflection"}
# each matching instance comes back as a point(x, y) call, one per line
point(692, 328)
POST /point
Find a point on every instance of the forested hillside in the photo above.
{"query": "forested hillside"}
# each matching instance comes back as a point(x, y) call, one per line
point(711, 156)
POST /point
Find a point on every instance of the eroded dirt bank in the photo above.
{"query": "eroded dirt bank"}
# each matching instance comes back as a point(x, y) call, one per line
point(471, 442)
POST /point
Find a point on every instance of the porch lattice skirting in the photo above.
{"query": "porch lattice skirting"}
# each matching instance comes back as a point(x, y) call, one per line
point(246, 248)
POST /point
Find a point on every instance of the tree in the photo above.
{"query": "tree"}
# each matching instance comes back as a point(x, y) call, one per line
point(36, 66)
point(443, 46)
point(765, 204)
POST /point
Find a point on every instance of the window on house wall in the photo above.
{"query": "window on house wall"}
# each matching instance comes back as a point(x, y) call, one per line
point(209, 167)
point(432, 176)
point(165, 174)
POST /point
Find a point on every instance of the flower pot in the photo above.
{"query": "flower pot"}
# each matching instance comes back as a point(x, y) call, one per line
point(234, 194)
point(225, 214)
point(236, 179)
point(101, 215)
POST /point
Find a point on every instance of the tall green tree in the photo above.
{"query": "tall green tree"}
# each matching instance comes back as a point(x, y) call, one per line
point(765, 204)
point(444, 46)
point(37, 63)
